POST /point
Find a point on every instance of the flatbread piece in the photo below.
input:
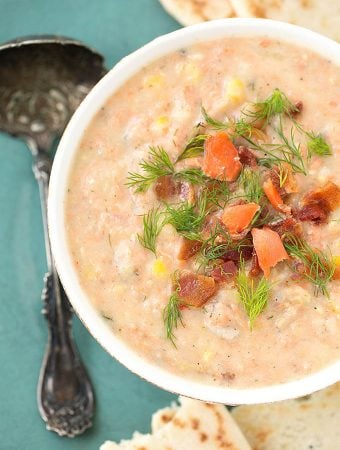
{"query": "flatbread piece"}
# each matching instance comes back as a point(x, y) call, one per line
point(312, 422)
point(319, 15)
point(192, 425)
point(189, 12)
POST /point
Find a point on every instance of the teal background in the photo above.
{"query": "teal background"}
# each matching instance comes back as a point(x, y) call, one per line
point(124, 401)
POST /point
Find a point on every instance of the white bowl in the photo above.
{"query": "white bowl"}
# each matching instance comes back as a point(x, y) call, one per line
point(58, 184)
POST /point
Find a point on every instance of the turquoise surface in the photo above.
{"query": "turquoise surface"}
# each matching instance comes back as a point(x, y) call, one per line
point(124, 401)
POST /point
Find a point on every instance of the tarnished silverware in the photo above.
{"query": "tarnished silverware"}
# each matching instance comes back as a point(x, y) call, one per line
point(42, 81)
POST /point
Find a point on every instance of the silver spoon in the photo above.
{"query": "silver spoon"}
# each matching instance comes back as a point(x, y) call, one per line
point(42, 81)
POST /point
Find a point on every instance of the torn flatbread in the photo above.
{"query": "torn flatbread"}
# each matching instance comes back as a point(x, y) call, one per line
point(192, 425)
point(319, 15)
point(312, 422)
point(189, 12)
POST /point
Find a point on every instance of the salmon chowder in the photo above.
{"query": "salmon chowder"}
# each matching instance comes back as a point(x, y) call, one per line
point(203, 213)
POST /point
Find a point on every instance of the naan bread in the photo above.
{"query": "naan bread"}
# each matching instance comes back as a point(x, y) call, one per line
point(193, 425)
point(312, 422)
point(319, 15)
point(188, 12)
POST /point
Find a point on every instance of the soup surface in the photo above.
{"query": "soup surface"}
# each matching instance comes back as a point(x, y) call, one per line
point(221, 265)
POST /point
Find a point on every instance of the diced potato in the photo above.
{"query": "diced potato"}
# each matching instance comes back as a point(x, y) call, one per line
point(323, 175)
point(236, 91)
point(192, 72)
point(159, 268)
point(122, 257)
point(155, 80)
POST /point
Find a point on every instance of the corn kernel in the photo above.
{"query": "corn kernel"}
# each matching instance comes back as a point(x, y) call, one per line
point(159, 269)
point(336, 260)
point(155, 80)
point(236, 90)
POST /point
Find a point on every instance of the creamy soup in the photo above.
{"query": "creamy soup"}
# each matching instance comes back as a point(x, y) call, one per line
point(202, 212)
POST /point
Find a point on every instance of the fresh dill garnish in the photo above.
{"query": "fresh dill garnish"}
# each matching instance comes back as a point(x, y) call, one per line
point(243, 128)
point(171, 316)
point(153, 223)
point(262, 218)
point(194, 147)
point(218, 193)
point(217, 244)
point(251, 184)
point(291, 150)
point(158, 165)
point(287, 151)
point(317, 145)
point(240, 127)
point(213, 247)
point(187, 218)
point(191, 175)
point(252, 294)
point(318, 266)
point(276, 103)
point(213, 123)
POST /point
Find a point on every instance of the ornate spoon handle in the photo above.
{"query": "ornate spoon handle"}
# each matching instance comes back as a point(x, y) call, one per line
point(65, 393)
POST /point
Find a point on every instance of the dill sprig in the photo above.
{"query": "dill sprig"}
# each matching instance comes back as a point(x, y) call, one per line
point(172, 316)
point(213, 123)
point(251, 184)
point(191, 175)
point(277, 103)
point(252, 294)
point(317, 145)
point(240, 127)
point(287, 151)
point(195, 147)
point(243, 128)
point(188, 218)
point(214, 248)
point(218, 193)
point(152, 226)
point(264, 218)
point(318, 266)
point(217, 245)
point(158, 165)
point(291, 150)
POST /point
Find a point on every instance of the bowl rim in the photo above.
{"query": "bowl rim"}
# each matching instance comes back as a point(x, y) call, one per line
point(66, 151)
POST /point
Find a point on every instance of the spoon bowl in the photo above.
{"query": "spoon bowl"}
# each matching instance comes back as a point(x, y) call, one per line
point(42, 82)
